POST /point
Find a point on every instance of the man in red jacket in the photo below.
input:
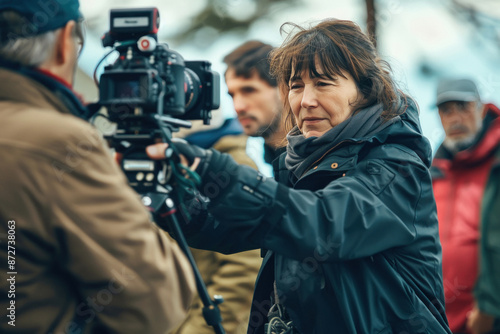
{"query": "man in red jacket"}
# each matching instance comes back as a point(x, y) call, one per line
point(461, 172)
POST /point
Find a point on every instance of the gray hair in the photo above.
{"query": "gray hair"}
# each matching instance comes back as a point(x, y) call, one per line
point(30, 50)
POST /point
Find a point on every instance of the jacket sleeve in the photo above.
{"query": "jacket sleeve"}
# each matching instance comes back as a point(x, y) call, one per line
point(372, 208)
point(487, 289)
point(129, 275)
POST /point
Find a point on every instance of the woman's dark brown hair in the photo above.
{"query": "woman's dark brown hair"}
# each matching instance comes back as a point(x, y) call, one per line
point(335, 46)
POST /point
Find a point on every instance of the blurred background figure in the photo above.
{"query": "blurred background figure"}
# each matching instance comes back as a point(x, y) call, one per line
point(466, 184)
point(231, 276)
point(255, 95)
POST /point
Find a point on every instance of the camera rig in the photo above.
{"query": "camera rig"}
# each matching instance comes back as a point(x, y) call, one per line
point(144, 96)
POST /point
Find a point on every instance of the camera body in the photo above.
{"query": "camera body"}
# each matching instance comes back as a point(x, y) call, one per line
point(149, 78)
point(148, 93)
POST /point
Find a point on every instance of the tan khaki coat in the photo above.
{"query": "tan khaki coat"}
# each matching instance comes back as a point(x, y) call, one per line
point(83, 240)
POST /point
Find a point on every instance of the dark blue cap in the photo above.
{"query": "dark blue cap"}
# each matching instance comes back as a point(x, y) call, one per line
point(42, 15)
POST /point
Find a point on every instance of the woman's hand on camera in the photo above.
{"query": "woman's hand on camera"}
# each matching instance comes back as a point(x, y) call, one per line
point(215, 169)
point(190, 156)
point(195, 158)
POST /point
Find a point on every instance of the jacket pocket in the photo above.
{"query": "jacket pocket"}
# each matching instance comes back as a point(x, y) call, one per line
point(377, 176)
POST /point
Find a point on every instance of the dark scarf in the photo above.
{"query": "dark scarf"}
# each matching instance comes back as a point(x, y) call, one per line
point(302, 152)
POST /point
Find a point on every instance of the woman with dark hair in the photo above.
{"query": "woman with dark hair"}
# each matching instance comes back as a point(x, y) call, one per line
point(350, 227)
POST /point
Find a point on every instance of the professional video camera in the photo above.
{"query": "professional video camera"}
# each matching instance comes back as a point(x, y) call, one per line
point(152, 77)
point(148, 93)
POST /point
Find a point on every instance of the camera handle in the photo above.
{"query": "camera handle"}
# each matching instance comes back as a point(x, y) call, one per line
point(162, 203)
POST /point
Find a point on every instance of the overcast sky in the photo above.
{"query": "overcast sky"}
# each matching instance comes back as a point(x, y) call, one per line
point(422, 40)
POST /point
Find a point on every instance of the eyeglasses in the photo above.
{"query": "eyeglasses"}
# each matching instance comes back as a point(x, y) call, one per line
point(79, 45)
point(80, 30)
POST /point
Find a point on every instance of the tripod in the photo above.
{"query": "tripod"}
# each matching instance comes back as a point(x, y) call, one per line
point(165, 213)
point(145, 175)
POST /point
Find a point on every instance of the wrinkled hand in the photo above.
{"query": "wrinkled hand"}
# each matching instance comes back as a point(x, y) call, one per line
point(479, 322)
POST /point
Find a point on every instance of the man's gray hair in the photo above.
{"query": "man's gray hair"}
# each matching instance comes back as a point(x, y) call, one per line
point(30, 51)
point(27, 51)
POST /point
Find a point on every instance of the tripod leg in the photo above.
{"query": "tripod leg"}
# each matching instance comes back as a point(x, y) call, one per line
point(211, 311)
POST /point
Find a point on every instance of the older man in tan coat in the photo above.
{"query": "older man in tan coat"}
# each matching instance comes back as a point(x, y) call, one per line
point(79, 254)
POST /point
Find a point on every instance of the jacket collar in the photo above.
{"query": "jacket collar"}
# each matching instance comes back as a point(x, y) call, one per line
point(344, 159)
point(29, 86)
point(207, 138)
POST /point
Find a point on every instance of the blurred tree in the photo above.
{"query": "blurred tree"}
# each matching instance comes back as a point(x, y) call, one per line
point(483, 15)
point(371, 22)
point(231, 15)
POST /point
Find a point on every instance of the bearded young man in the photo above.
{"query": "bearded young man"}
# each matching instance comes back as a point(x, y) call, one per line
point(255, 95)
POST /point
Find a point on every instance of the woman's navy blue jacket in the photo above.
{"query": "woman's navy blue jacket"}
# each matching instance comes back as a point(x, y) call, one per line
point(352, 245)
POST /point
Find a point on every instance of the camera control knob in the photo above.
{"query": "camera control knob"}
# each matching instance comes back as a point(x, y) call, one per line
point(146, 43)
point(147, 201)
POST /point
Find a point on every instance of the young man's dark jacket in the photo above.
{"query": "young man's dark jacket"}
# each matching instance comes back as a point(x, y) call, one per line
point(353, 244)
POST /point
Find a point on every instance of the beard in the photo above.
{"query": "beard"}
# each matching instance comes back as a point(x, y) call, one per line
point(268, 130)
point(457, 145)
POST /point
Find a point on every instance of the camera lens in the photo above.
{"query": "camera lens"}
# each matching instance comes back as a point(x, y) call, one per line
point(192, 88)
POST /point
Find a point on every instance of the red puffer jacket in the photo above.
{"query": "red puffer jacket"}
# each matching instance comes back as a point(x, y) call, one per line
point(459, 182)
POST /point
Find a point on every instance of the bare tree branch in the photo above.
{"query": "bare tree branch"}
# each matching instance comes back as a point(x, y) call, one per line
point(371, 23)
